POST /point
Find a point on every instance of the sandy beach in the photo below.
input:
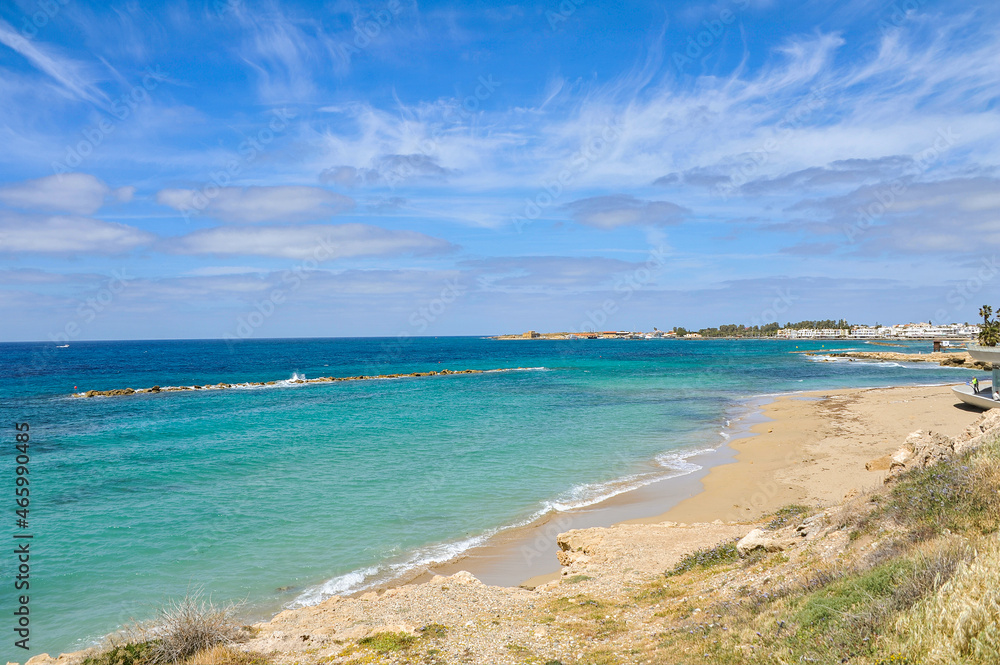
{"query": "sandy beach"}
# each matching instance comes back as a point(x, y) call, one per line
point(806, 448)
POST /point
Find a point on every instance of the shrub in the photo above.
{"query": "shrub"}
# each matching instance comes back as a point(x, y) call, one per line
point(706, 558)
point(188, 626)
point(434, 630)
point(787, 515)
point(387, 642)
point(122, 653)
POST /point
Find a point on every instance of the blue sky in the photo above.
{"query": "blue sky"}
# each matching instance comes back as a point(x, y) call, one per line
point(225, 168)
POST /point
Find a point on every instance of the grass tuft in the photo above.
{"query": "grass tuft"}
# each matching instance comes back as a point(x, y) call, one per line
point(388, 642)
point(706, 558)
point(790, 514)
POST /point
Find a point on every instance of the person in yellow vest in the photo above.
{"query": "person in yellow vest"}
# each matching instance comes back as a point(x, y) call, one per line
point(975, 385)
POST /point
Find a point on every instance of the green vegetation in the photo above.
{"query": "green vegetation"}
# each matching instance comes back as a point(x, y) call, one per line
point(923, 585)
point(576, 579)
point(958, 496)
point(191, 631)
point(135, 653)
point(989, 330)
point(765, 330)
point(434, 631)
point(787, 515)
point(387, 642)
point(706, 558)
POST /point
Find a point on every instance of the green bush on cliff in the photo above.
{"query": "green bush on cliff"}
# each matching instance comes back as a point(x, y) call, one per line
point(706, 558)
point(129, 653)
point(183, 629)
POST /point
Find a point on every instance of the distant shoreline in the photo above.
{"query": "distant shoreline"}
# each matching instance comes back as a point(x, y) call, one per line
point(701, 338)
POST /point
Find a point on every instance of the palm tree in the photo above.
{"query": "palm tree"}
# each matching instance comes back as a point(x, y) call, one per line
point(989, 333)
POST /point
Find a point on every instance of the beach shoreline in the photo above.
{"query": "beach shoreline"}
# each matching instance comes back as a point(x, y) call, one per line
point(810, 447)
point(749, 475)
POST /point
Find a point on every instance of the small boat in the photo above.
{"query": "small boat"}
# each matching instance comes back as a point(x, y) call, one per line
point(980, 400)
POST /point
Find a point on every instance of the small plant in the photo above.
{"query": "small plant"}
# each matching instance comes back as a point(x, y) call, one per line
point(434, 630)
point(387, 642)
point(706, 558)
point(787, 515)
point(576, 579)
point(125, 653)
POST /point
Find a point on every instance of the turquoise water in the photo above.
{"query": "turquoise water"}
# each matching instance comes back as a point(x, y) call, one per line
point(284, 495)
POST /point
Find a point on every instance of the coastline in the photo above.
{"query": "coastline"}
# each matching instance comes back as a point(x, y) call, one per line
point(805, 447)
point(772, 440)
point(792, 448)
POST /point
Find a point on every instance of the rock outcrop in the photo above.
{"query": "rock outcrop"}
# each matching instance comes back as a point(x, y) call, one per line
point(117, 392)
point(962, 359)
point(925, 448)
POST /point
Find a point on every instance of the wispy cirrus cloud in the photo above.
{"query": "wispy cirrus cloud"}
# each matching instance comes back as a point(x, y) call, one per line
point(71, 75)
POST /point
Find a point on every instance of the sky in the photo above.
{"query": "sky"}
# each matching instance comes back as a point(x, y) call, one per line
point(235, 169)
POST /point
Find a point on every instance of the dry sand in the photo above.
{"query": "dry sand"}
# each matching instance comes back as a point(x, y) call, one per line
point(814, 449)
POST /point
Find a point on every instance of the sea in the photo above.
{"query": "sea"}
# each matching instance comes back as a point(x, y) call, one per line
point(283, 495)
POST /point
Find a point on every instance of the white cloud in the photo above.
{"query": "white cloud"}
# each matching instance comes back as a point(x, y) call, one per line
point(610, 212)
point(318, 241)
point(76, 193)
point(253, 205)
point(67, 235)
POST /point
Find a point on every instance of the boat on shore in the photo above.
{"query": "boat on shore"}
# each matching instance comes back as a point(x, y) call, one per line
point(980, 400)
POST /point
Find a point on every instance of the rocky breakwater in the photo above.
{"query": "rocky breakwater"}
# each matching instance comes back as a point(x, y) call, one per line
point(119, 392)
point(944, 359)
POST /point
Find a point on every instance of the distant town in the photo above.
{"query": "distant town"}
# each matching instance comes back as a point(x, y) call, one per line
point(828, 329)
